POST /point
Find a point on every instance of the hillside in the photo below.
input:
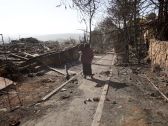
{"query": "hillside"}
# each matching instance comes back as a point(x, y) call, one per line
point(58, 37)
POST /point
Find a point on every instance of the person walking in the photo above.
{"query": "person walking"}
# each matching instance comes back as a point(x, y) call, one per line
point(86, 59)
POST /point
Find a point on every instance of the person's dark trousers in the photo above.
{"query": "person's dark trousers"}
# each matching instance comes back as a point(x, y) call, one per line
point(87, 70)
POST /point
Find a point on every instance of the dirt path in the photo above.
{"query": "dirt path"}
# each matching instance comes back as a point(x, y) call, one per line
point(130, 100)
point(75, 106)
point(132, 103)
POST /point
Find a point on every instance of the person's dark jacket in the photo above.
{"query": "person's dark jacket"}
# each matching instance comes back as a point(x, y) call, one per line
point(87, 56)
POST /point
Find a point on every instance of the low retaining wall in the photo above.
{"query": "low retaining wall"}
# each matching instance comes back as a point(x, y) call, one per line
point(158, 52)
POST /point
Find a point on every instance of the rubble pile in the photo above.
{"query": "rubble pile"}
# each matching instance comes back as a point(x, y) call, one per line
point(26, 75)
point(28, 54)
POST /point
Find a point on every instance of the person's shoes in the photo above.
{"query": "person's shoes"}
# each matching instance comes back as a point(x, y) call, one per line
point(67, 77)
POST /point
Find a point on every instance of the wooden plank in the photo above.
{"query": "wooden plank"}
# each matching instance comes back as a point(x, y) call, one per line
point(63, 72)
point(57, 89)
point(20, 57)
point(164, 96)
point(98, 64)
point(28, 54)
point(4, 82)
point(110, 52)
point(56, 70)
point(13, 60)
point(99, 110)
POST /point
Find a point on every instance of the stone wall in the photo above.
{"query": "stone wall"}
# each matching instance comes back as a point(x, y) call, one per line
point(158, 52)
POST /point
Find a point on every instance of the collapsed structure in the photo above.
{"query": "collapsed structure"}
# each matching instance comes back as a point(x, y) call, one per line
point(28, 55)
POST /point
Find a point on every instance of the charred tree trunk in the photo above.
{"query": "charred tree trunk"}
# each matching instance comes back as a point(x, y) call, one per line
point(90, 30)
point(162, 28)
point(126, 59)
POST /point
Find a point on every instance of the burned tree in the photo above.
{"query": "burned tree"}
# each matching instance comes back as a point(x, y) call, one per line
point(160, 24)
point(105, 36)
point(88, 9)
point(162, 27)
point(123, 13)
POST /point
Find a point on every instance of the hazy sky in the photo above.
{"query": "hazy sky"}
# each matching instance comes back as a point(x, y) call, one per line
point(29, 17)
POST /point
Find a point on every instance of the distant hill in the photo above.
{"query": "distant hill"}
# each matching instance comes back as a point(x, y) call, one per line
point(52, 37)
point(58, 37)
